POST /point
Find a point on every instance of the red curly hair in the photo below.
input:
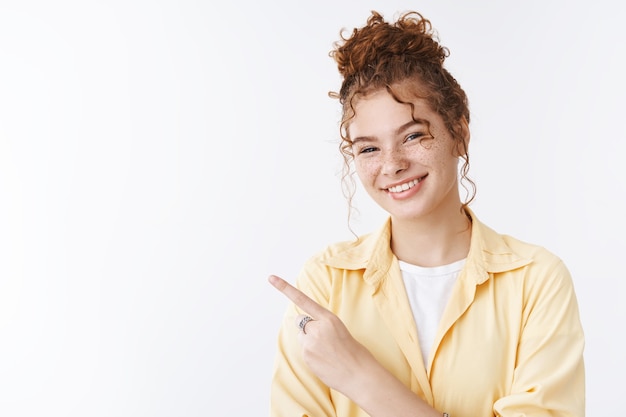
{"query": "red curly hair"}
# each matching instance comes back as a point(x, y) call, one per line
point(405, 58)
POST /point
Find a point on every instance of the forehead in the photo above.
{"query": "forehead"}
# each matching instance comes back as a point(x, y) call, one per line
point(379, 112)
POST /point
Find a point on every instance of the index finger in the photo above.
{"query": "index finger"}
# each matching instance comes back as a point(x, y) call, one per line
point(307, 304)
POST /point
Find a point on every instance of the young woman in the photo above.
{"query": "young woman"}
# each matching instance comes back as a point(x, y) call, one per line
point(434, 313)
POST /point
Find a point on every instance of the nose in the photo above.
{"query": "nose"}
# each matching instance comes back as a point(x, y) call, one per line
point(394, 162)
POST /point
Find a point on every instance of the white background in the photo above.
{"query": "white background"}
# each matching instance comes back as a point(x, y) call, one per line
point(158, 159)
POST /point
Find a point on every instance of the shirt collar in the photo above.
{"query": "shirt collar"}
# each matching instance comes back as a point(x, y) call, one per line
point(489, 253)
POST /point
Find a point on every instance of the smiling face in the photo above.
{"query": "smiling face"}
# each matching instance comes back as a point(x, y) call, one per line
point(408, 163)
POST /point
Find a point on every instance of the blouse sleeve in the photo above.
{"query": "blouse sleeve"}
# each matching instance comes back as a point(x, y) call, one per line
point(295, 390)
point(549, 377)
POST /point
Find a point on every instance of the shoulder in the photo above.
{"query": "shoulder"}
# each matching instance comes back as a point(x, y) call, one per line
point(546, 269)
point(538, 253)
point(357, 253)
point(501, 253)
point(323, 272)
point(490, 242)
point(346, 259)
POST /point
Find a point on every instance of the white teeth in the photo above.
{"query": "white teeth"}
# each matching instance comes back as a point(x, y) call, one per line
point(402, 187)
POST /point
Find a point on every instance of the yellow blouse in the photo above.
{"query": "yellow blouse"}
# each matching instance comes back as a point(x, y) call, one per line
point(510, 342)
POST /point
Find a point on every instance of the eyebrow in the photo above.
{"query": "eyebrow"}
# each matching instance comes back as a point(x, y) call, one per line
point(399, 130)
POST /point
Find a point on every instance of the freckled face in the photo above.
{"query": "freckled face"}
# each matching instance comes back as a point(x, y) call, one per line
point(408, 165)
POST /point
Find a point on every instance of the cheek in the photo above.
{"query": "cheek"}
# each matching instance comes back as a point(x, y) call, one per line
point(440, 156)
point(366, 168)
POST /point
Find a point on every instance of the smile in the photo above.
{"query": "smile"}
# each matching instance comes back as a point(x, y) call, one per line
point(405, 186)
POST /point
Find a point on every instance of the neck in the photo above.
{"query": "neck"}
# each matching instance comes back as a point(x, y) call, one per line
point(438, 239)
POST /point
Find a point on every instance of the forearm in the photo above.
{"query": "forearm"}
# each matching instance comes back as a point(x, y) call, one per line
point(339, 361)
point(381, 394)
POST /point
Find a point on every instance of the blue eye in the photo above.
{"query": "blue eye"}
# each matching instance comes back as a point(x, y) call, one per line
point(367, 149)
point(414, 136)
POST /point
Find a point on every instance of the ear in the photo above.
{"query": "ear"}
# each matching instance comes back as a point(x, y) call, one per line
point(463, 132)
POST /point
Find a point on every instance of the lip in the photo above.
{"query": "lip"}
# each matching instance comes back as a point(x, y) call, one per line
point(409, 187)
point(407, 184)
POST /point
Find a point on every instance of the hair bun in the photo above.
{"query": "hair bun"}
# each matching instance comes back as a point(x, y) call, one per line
point(410, 39)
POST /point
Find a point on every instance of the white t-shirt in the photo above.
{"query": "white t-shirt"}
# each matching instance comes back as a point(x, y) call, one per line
point(428, 290)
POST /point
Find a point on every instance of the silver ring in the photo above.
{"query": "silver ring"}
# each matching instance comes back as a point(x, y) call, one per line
point(303, 323)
